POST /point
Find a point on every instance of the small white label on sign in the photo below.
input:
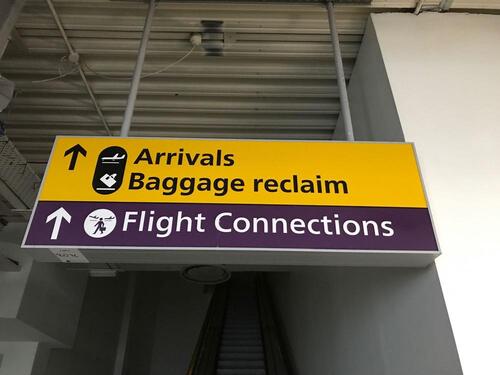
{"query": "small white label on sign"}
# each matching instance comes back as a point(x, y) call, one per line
point(69, 255)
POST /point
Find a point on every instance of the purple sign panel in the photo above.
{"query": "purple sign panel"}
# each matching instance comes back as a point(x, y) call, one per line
point(230, 226)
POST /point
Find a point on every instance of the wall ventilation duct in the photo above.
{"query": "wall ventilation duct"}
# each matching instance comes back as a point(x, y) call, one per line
point(18, 182)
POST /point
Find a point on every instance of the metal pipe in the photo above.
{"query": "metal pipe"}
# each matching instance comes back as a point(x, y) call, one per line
point(136, 79)
point(94, 100)
point(419, 6)
point(59, 25)
point(344, 101)
point(72, 52)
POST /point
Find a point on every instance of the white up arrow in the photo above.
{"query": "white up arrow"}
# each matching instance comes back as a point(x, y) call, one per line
point(58, 215)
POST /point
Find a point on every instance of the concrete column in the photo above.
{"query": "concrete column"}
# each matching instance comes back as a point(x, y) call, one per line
point(431, 79)
point(444, 75)
point(365, 321)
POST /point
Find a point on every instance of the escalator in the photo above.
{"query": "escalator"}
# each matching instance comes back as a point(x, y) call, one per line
point(241, 350)
point(240, 335)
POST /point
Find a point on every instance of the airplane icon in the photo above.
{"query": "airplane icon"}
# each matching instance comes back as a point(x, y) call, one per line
point(115, 159)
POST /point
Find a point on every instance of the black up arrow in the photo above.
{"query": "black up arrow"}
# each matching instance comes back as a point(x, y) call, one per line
point(74, 151)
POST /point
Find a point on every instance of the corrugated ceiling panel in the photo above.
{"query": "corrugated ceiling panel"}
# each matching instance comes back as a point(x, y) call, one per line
point(275, 78)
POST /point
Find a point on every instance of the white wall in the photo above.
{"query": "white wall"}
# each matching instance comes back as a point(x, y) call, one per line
point(33, 300)
point(39, 308)
point(13, 284)
point(444, 71)
point(181, 311)
point(94, 348)
point(167, 316)
point(365, 321)
point(22, 358)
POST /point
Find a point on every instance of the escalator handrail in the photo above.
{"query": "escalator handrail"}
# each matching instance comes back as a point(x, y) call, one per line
point(204, 356)
point(277, 361)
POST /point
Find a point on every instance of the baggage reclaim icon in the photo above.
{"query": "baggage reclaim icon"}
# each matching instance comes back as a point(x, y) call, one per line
point(109, 170)
point(108, 180)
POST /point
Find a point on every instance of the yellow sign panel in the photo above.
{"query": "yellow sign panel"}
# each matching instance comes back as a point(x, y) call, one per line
point(89, 169)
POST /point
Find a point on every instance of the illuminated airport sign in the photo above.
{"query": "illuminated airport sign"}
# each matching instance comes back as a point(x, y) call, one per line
point(166, 194)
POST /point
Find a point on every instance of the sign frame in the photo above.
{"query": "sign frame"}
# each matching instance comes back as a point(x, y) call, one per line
point(246, 255)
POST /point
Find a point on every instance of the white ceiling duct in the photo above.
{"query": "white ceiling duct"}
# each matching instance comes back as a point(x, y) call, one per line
point(6, 92)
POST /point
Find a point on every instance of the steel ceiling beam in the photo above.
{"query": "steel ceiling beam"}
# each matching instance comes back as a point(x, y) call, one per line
point(136, 79)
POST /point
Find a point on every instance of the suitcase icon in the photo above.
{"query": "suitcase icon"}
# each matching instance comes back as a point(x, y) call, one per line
point(108, 179)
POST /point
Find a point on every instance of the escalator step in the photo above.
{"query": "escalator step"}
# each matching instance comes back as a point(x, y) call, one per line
point(240, 372)
point(241, 364)
point(235, 337)
point(239, 342)
point(224, 356)
point(249, 328)
point(241, 349)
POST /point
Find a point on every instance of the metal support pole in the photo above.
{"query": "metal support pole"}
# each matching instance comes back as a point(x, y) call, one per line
point(127, 120)
point(72, 52)
point(344, 101)
point(125, 326)
point(136, 79)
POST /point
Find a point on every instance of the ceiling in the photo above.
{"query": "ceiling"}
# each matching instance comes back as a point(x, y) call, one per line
point(275, 77)
point(264, 70)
